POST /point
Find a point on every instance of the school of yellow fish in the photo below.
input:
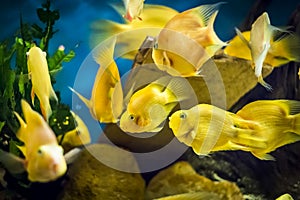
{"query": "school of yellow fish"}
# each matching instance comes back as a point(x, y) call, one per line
point(184, 41)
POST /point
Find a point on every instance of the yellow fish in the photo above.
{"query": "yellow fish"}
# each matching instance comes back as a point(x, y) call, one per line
point(106, 103)
point(207, 128)
point(261, 38)
point(192, 196)
point(148, 107)
point(134, 9)
point(279, 123)
point(187, 41)
point(78, 136)
point(285, 197)
point(40, 78)
point(282, 50)
point(130, 36)
point(44, 159)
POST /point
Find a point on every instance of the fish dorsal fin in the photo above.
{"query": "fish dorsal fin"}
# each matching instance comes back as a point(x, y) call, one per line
point(31, 115)
point(207, 13)
point(23, 125)
point(87, 102)
point(104, 53)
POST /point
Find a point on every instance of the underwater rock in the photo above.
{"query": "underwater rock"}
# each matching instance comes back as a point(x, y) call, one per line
point(182, 178)
point(95, 175)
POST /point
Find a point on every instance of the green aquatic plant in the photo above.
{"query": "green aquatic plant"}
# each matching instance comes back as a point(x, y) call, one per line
point(15, 81)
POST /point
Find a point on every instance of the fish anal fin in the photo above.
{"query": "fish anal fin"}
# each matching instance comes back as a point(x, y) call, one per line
point(264, 84)
point(264, 156)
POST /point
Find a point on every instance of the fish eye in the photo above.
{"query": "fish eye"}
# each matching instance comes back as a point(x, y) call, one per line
point(131, 117)
point(78, 132)
point(155, 46)
point(182, 115)
point(40, 152)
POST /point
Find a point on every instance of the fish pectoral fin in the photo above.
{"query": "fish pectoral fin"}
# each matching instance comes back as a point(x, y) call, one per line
point(177, 89)
point(235, 146)
point(158, 129)
point(12, 163)
point(246, 139)
point(264, 156)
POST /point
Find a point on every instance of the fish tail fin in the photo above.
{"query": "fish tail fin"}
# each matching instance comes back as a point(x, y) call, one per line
point(103, 29)
point(105, 52)
point(82, 98)
point(12, 163)
point(287, 47)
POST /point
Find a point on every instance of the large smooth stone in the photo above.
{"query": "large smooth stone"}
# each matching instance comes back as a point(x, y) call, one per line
point(182, 178)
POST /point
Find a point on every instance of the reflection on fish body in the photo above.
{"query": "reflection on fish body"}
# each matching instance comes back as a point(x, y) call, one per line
point(134, 9)
point(279, 123)
point(131, 35)
point(266, 46)
point(106, 103)
point(207, 128)
point(80, 135)
point(44, 160)
point(40, 78)
point(148, 107)
point(187, 41)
